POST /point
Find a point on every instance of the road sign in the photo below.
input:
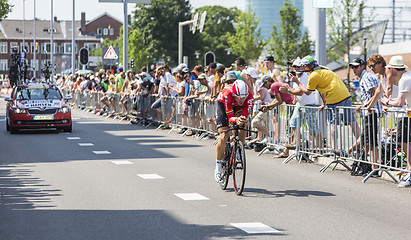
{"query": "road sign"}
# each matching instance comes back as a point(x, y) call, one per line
point(323, 3)
point(110, 61)
point(110, 54)
point(202, 21)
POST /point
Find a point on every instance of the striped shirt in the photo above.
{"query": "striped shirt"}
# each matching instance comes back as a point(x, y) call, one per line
point(367, 82)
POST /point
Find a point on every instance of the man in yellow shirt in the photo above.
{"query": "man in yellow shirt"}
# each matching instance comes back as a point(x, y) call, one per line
point(333, 92)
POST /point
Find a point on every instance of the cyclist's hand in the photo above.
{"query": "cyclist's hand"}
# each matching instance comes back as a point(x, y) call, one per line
point(241, 121)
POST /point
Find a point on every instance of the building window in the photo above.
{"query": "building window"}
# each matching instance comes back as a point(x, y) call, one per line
point(4, 64)
point(3, 47)
point(14, 45)
point(99, 31)
point(32, 48)
point(105, 31)
point(91, 46)
point(67, 48)
point(111, 31)
point(24, 47)
point(46, 48)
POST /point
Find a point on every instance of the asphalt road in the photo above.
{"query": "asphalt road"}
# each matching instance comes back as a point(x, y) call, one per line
point(145, 184)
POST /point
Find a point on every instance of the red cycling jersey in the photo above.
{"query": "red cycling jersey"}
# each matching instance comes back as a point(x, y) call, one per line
point(226, 97)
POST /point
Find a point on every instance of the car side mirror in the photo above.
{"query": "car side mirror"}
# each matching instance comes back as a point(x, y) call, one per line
point(8, 99)
point(68, 97)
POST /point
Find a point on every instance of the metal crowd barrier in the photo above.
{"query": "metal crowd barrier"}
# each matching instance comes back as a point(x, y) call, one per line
point(319, 136)
point(316, 134)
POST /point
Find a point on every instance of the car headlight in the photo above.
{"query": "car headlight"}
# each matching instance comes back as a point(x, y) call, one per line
point(64, 110)
point(19, 110)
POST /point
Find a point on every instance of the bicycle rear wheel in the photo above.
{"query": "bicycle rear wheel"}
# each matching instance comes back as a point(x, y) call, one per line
point(239, 166)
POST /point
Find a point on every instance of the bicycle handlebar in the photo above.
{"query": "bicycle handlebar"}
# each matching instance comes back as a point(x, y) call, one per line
point(233, 127)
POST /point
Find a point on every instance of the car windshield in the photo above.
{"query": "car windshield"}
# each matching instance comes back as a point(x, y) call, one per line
point(37, 93)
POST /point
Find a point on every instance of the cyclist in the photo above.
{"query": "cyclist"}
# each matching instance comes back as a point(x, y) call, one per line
point(233, 105)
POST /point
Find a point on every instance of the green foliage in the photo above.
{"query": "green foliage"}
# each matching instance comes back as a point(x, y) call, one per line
point(5, 8)
point(343, 22)
point(247, 41)
point(289, 41)
point(158, 25)
point(136, 49)
point(219, 23)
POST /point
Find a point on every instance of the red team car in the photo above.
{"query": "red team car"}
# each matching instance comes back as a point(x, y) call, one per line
point(37, 105)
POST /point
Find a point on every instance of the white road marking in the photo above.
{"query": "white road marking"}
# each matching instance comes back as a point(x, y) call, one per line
point(150, 176)
point(86, 144)
point(73, 138)
point(121, 162)
point(191, 196)
point(65, 133)
point(255, 228)
point(101, 152)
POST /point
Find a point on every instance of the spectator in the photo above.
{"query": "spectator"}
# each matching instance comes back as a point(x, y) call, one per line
point(368, 85)
point(279, 99)
point(268, 66)
point(260, 120)
point(396, 71)
point(218, 84)
point(302, 99)
point(333, 91)
point(242, 72)
point(120, 80)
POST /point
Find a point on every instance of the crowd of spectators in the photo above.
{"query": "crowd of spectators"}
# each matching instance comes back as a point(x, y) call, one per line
point(187, 96)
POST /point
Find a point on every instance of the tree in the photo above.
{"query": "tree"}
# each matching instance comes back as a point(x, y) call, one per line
point(247, 41)
point(158, 25)
point(136, 49)
point(219, 23)
point(343, 22)
point(5, 8)
point(289, 41)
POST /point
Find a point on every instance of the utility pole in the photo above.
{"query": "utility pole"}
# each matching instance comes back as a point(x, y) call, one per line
point(73, 41)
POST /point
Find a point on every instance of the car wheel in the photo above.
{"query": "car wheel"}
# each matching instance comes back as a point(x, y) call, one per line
point(13, 130)
point(68, 129)
point(7, 125)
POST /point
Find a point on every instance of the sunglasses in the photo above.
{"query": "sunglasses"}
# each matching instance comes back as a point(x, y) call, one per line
point(372, 65)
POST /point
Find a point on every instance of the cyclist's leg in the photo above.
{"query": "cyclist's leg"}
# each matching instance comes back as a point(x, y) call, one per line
point(222, 124)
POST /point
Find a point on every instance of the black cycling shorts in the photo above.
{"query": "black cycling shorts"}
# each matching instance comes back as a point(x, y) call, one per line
point(222, 119)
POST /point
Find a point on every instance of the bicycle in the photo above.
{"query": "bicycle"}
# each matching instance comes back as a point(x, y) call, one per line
point(234, 162)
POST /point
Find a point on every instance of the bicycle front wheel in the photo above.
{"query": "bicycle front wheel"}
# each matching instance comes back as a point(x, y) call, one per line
point(239, 167)
point(226, 170)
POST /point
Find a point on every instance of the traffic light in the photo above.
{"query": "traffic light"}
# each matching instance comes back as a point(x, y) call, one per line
point(83, 54)
point(131, 63)
point(209, 57)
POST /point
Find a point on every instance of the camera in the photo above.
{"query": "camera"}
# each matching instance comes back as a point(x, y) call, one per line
point(294, 73)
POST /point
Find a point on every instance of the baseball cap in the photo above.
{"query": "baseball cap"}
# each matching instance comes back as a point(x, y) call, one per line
point(269, 58)
point(120, 69)
point(251, 71)
point(185, 70)
point(213, 65)
point(202, 76)
point(297, 62)
point(181, 66)
point(357, 62)
point(230, 75)
point(308, 60)
point(265, 79)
